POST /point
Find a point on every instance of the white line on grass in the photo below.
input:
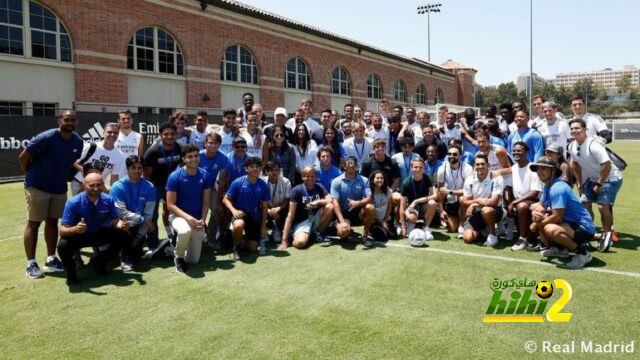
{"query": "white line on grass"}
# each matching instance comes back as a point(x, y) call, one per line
point(506, 258)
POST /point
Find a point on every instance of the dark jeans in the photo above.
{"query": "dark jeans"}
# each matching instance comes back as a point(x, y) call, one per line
point(152, 236)
point(117, 239)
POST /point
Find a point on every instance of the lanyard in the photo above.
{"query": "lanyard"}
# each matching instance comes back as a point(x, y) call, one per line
point(407, 164)
point(392, 143)
point(307, 193)
point(275, 187)
point(458, 174)
point(164, 156)
point(361, 152)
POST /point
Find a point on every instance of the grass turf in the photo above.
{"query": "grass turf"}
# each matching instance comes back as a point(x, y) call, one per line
point(341, 301)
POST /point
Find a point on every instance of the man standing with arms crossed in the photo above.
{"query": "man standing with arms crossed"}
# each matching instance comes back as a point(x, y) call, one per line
point(47, 160)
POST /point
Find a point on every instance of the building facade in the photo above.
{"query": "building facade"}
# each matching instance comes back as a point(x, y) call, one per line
point(156, 56)
point(523, 82)
point(607, 77)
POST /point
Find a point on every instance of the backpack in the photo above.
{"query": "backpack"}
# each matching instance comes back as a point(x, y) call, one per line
point(73, 171)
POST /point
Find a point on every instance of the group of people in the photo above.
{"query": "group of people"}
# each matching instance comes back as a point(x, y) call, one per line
point(296, 180)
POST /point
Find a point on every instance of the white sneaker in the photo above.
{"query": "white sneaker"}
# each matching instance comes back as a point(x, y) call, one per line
point(460, 232)
point(555, 252)
point(579, 260)
point(492, 240)
point(399, 230)
point(427, 231)
point(520, 245)
point(510, 227)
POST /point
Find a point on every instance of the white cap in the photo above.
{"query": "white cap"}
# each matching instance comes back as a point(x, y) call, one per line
point(280, 111)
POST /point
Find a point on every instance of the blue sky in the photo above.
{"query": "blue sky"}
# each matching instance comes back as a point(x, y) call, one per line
point(490, 36)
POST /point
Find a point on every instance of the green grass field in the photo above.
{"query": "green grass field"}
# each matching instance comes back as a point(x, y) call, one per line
point(340, 301)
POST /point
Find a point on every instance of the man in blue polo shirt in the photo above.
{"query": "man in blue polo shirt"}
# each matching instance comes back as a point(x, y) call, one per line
point(216, 164)
point(248, 201)
point(560, 218)
point(47, 160)
point(352, 202)
point(135, 199)
point(91, 219)
point(188, 195)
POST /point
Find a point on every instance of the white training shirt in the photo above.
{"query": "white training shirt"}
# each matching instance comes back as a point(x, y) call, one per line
point(197, 137)
point(477, 189)
point(448, 134)
point(112, 161)
point(454, 179)
point(595, 124)
point(360, 151)
point(592, 154)
point(252, 150)
point(524, 181)
point(278, 191)
point(226, 146)
point(128, 144)
point(558, 133)
point(309, 158)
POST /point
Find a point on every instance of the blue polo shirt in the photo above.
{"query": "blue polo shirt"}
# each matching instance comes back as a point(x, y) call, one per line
point(214, 164)
point(235, 167)
point(188, 189)
point(326, 177)
point(51, 160)
point(100, 214)
point(560, 196)
point(344, 189)
point(432, 170)
point(133, 196)
point(532, 138)
point(248, 196)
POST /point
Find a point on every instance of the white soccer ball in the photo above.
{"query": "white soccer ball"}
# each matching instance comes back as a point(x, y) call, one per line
point(417, 237)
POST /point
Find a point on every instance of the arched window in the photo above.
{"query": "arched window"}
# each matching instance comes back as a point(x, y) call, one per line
point(438, 97)
point(421, 97)
point(238, 60)
point(152, 49)
point(374, 89)
point(29, 29)
point(399, 91)
point(340, 81)
point(297, 75)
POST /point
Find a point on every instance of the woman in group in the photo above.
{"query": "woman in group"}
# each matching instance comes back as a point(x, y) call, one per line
point(305, 149)
point(281, 152)
point(331, 140)
point(382, 201)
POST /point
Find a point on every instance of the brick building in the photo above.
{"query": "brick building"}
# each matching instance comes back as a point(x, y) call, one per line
point(161, 55)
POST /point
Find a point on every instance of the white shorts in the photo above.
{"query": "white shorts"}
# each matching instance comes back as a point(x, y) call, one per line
point(308, 226)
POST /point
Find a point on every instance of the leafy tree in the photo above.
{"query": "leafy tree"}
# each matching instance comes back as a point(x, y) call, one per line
point(623, 84)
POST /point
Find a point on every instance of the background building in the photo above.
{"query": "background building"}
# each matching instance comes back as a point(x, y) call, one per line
point(607, 77)
point(523, 82)
point(162, 55)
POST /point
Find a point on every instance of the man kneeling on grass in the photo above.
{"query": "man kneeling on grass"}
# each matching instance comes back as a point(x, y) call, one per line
point(310, 211)
point(248, 201)
point(418, 192)
point(560, 218)
point(352, 202)
point(482, 203)
point(188, 195)
point(91, 219)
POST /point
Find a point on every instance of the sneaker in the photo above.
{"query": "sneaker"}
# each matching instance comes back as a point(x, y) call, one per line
point(169, 251)
point(126, 266)
point(276, 234)
point(520, 245)
point(510, 227)
point(322, 239)
point(427, 231)
point(614, 236)
point(555, 252)
point(605, 241)
point(263, 246)
point(492, 240)
point(579, 260)
point(398, 230)
point(536, 248)
point(181, 265)
point(152, 252)
point(460, 232)
point(235, 255)
point(364, 240)
point(54, 265)
point(33, 271)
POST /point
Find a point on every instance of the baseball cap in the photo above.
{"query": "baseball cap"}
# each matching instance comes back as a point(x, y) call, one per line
point(556, 148)
point(239, 139)
point(280, 111)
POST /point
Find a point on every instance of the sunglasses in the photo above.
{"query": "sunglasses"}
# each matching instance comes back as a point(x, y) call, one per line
point(578, 148)
point(240, 147)
point(278, 135)
point(453, 154)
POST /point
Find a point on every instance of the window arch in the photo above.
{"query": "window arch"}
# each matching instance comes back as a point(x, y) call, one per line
point(400, 91)
point(340, 81)
point(297, 75)
point(153, 49)
point(29, 29)
point(421, 97)
point(438, 97)
point(238, 65)
point(374, 87)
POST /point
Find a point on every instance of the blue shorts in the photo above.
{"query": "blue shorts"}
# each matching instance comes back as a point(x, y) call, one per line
point(607, 195)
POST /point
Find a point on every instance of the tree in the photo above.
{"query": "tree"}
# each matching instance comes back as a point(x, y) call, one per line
point(623, 83)
point(590, 90)
point(508, 91)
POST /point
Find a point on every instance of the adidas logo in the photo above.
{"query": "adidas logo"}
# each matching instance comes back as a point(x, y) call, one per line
point(94, 133)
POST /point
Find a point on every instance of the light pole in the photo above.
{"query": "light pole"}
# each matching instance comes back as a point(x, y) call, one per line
point(427, 9)
point(530, 85)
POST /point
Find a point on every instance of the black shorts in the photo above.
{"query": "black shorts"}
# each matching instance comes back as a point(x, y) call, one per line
point(580, 235)
point(251, 227)
point(452, 209)
point(476, 222)
point(353, 216)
